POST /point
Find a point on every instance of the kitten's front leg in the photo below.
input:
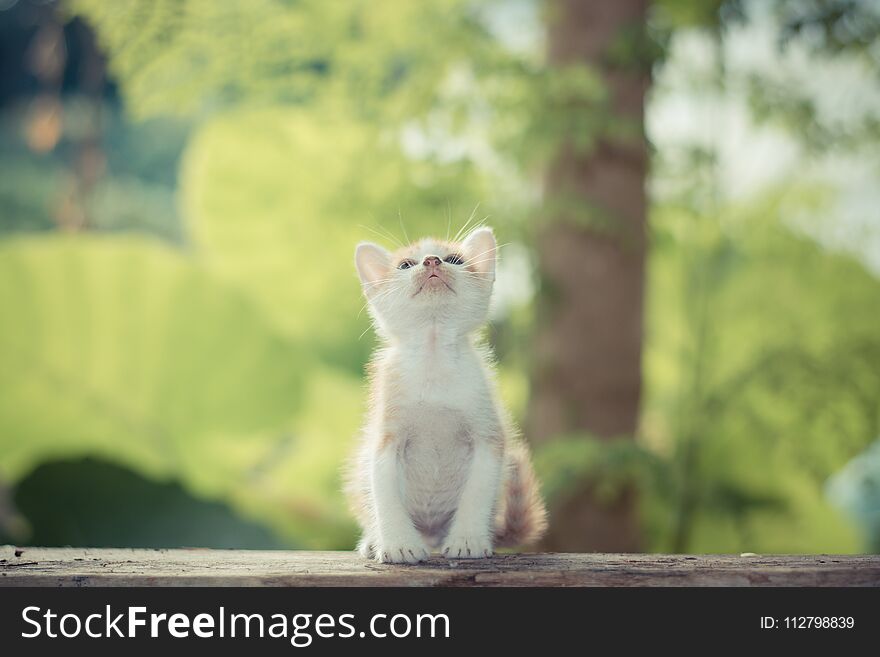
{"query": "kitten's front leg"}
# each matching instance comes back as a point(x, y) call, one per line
point(398, 540)
point(470, 534)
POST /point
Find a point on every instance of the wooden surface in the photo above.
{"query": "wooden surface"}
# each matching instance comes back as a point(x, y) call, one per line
point(122, 567)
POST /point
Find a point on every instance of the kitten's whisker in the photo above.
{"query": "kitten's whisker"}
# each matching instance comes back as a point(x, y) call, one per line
point(475, 227)
point(467, 223)
point(402, 227)
point(495, 248)
point(393, 237)
point(378, 297)
point(385, 236)
point(480, 262)
point(378, 281)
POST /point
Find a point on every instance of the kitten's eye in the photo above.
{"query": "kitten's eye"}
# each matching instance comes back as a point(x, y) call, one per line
point(454, 259)
point(406, 264)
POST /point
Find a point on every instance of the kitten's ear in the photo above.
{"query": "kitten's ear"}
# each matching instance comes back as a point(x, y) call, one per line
point(372, 262)
point(480, 251)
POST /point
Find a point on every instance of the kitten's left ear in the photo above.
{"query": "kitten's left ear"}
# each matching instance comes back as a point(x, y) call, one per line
point(372, 262)
point(479, 248)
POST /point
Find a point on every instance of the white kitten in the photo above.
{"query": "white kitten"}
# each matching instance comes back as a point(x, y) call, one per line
point(439, 465)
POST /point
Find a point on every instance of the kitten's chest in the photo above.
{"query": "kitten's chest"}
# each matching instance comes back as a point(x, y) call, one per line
point(440, 380)
point(434, 456)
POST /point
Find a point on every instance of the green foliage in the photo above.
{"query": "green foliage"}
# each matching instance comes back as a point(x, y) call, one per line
point(856, 491)
point(612, 466)
point(192, 56)
point(757, 391)
point(91, 503)
point(783, 103)
point(121, 347)
point(26, 190)
point(136, 192)
point(675, 14)
point(831, 26)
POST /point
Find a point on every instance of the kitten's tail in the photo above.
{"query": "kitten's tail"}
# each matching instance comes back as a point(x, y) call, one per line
point(523, 517)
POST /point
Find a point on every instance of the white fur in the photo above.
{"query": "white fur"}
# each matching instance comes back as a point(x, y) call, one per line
point(430, 471)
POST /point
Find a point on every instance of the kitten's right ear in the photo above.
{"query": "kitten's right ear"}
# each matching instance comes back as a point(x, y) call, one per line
point(373, 264)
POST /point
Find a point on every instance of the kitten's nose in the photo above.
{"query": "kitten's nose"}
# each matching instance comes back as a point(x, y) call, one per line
point(431, 261)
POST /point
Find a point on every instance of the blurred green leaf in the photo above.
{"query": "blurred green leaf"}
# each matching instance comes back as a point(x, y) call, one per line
point(122, 347)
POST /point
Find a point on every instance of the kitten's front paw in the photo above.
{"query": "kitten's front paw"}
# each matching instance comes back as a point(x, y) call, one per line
point(467, 547)
point(401, 551)
point(365, 547)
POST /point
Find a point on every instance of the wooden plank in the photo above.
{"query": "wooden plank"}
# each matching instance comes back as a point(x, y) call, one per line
point(124, 567)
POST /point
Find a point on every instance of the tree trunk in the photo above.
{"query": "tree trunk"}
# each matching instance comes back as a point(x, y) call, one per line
point(591, 248)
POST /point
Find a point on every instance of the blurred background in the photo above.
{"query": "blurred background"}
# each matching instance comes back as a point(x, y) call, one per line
point(687, 311)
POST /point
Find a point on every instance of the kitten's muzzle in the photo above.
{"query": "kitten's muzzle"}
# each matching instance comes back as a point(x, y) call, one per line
point(433, 270)
point(432, 265)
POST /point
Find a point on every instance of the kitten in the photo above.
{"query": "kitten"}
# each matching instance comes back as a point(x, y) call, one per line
point(439, 464)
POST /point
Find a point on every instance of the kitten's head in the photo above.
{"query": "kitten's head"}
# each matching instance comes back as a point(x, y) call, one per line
point(429, 283)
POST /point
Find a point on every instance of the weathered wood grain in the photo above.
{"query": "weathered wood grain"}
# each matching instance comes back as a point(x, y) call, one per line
point(123, 567)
